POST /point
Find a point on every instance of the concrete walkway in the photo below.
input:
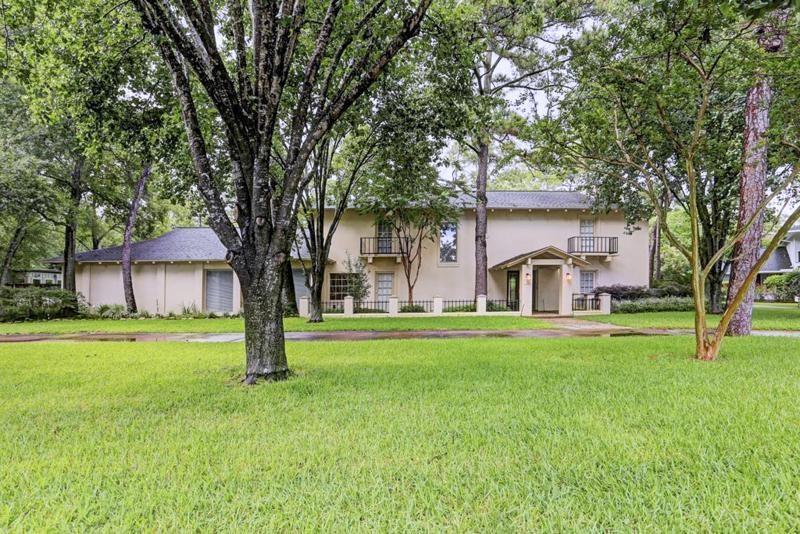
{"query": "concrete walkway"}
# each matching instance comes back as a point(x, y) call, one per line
point(562, 327)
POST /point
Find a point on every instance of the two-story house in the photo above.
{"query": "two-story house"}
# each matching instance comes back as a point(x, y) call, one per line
point(546, 250)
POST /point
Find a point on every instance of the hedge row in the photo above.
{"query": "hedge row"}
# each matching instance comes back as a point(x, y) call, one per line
point(653, 304)
point(31, 303)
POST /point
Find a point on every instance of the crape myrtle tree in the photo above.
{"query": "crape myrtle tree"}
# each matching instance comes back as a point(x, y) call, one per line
point(417, 106)
point(403, 189)
point(643, 110)
point(279, 76)
point(511, 49)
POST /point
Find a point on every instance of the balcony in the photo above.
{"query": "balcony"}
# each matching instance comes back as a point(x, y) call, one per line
point(593, 246)
point(383, 246)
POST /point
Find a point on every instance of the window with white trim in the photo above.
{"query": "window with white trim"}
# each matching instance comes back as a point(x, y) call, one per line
point(340, 285)
point(587, 227)
point(587, 281)
point(448, 243)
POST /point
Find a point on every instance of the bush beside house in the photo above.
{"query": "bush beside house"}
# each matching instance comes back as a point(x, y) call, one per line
point(33, 303)
point(782, 287)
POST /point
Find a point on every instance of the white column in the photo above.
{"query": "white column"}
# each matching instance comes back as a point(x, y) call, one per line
point(480, 304)
point(526, 290)
point(394, 306)
point(302, 307)
point(348, 305)
point(605, 303)
point(438, 305)
point(565, 290)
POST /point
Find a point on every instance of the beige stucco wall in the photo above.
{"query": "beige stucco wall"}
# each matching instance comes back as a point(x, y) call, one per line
point(168, 287)
point(510, 232)
point(160, 287)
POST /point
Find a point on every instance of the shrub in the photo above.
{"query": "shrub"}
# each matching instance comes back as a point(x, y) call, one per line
point(653, 304)
point(670, 288)
point(784, 286)
point(495, 307)
point(412, 308)
point(623, 292)
point(112, 311)
point(460, 308)
point(20, 304)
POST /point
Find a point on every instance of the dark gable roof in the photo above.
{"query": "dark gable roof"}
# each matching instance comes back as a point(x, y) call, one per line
point(778, 261)
point(530, 200)
point(180, 244)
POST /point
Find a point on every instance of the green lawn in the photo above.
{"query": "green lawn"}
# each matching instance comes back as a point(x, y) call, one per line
point(614, 434)
point(292, 324)
point(765, 317)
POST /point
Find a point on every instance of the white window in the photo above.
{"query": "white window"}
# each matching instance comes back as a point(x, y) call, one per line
point(448, 243)
point(384, 286)
point(587, 227)
point(587, 281)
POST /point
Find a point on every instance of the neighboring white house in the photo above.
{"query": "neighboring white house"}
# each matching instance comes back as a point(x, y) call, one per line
point(547, 252)
point(786, 257)
point(36, 277)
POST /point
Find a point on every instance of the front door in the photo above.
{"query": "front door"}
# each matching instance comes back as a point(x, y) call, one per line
point(384, 286)
point(512, 289)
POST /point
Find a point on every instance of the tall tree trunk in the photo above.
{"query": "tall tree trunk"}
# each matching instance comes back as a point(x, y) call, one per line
point(263, 323)
point(315, 290)
point(655, 253)
point(13, 246)
point(289, 295)
point(133, 211)
point(753, 179)
point(71, 225)
point(481, 262)
point(714, 283)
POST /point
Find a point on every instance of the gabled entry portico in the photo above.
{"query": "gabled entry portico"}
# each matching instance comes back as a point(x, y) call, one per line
point(545, 281)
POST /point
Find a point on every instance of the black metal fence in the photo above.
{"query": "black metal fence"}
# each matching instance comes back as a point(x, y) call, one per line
point(416, 306)
point(371, 306)
point(582, 244)
point(501, 305)
point(585, 302)
point(332, 306)
point(375, 246)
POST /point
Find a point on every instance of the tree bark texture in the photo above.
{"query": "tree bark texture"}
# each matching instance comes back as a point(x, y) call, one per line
point(752, 186)
point(11, 251)
point(263, 326)
point(133, 210)
point(753, 181)
point(655, 253)
point(481, 262)
point(71, 225)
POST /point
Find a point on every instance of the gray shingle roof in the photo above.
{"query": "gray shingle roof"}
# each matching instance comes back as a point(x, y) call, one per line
point(180, 244)
point(778, 261)
point(530, 200)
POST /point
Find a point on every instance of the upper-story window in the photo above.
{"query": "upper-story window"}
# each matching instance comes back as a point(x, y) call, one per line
point(587, 227)
point(448, 243)
point(384, 233)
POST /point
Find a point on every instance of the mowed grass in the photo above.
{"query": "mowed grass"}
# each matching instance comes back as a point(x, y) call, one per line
point(291, 324)
point(485, 435)
point(765, 317)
